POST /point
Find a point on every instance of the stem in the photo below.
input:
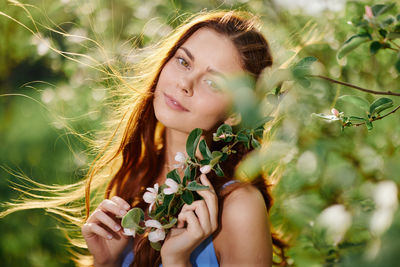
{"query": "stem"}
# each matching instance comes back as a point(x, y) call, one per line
point(381, 117)
point(354, 86)
point(392, 42)
point(394, 49)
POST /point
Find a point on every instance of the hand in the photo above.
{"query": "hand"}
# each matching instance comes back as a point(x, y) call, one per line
point(103, 232)
point(202, 220)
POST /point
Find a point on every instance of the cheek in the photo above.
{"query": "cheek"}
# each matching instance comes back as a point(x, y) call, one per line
point(213, 109)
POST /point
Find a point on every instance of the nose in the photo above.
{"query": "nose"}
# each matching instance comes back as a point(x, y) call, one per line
point(186, 86)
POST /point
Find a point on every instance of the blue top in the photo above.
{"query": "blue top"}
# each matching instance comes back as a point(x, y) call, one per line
point(202, 256)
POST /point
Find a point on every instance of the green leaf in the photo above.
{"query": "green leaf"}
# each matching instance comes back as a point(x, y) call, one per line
point(205, 151)
point(186, 175)
point(187, 197)
point(133, 218)
point(255, 143)
point(383, 33)
point(156, 246)
point(243, 137)
point(170, 224)
point(358, 119)
point(352, 43)
point(167, 200)
point(369, 125)
point(204, 161)
point(374, 47)
point(192, 142)
point(388, 21)
point(218, 171)
point(380, 104)
point(302, 69)
point(194, 186)
point(380, 9)
point(224, 128)
point(216, 156)
point(357, 101)
point(174, 176)
point(159, 210)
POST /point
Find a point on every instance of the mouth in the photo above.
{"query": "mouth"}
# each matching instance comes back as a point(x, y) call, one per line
point(173, 103)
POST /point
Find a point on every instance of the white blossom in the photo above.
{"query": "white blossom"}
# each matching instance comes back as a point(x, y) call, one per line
point(151, 196)
point(336, 220)
point(181, 159)
point(205, 169)
point(158, 234)
point(172, 187)
point(153, 223)
point(385, 197)
point(129, 232)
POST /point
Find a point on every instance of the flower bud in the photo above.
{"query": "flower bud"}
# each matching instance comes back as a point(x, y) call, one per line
point(335, 112)
point(205, 169)
point(368, 12)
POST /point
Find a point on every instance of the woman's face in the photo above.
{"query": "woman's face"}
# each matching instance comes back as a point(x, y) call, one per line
point(186, 96)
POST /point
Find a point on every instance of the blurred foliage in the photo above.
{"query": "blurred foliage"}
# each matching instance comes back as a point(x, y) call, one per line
point(337, 200)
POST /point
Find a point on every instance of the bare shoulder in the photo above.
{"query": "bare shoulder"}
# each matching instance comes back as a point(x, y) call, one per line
point(247, 198)
point(245, 232)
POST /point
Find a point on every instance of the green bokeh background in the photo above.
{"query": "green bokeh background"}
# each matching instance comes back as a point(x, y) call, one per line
point(46, 92)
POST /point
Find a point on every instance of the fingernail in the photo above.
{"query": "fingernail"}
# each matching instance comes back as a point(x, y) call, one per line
point(122, 212)
point(117, 227)
point(127, 207)
point(109, 236)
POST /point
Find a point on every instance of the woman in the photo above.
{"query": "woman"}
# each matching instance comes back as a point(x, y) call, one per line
point(175, 91)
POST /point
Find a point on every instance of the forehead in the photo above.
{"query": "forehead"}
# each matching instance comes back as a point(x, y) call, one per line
point(212, 49)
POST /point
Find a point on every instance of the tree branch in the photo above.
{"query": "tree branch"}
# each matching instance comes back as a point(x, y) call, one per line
point(354, 86)
point(380, 117)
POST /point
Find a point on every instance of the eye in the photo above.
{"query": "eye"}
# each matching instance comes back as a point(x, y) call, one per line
point(183, 62)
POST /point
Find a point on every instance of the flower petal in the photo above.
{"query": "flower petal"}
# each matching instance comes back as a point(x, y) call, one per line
point(129, 232)
point(153, 223)
point(157, 235)
point(180, 157)
point(149, 197)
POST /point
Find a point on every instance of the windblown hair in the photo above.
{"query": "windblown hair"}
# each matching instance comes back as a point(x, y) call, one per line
point(133, 144)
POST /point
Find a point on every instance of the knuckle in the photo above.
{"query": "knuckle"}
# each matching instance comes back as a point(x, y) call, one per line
point(115, 199)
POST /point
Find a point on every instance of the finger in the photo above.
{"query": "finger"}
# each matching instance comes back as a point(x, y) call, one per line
point(121, 202)
point(89, 229)
point(201, 210)
point(110, 206)
point(193, 225)
point(100, 217)
point(211, 200)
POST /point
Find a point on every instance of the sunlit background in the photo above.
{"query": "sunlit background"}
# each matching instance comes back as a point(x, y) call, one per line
point(338, 198)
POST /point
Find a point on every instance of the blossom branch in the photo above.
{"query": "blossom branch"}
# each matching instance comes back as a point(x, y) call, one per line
point(354, 86)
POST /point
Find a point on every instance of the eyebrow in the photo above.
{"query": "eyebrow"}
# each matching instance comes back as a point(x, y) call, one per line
point(190, 55)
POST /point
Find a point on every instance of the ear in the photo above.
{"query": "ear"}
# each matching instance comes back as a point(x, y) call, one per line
point(233, 119)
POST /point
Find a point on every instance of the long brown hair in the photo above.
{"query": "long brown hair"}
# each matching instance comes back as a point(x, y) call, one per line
point(127, 152)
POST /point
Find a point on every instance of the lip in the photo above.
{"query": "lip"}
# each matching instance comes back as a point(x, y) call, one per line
point(173, 103)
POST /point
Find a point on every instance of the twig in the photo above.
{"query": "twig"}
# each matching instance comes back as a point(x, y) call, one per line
point(380, 117)
point(355, 87)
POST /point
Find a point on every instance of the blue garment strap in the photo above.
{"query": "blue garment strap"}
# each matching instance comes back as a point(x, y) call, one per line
point(228, 183)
